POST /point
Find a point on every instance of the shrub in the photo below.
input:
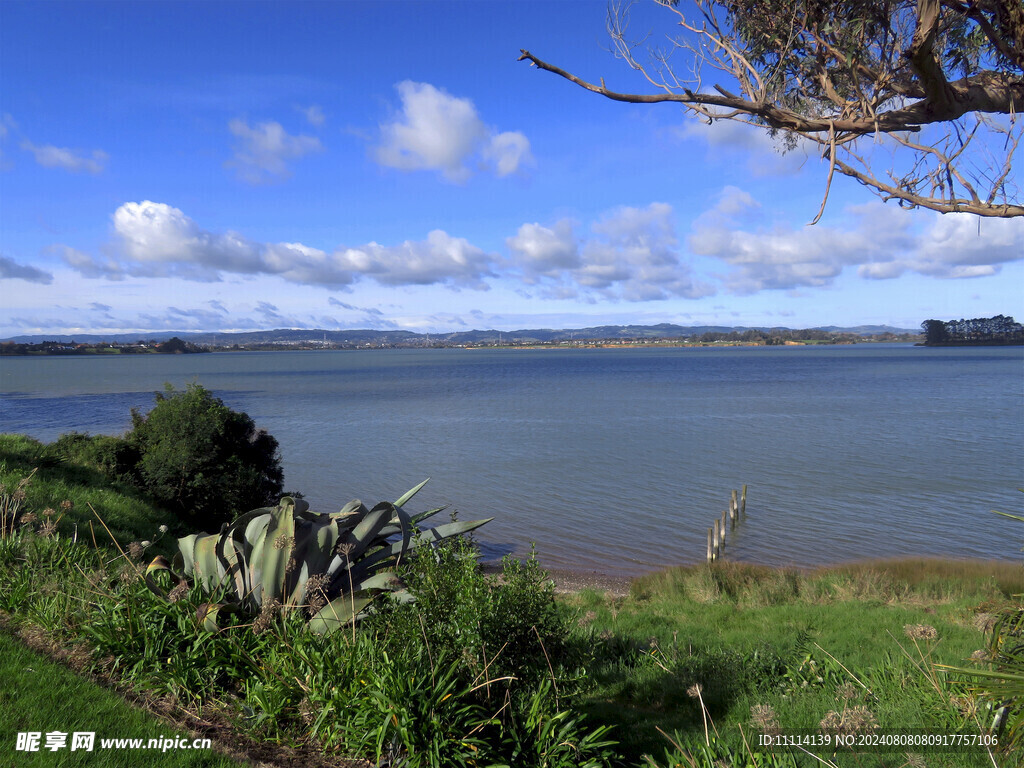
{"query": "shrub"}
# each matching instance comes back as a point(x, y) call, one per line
point(203, 460)
point(113, 456)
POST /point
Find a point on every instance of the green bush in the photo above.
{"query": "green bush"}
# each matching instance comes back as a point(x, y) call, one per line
point(508, 622)
point(113, 456)
point(203, 460)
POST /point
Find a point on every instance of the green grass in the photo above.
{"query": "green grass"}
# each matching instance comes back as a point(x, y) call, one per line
point(688, 649)
point(126, 510)
point(40, 695)
point(802, 643)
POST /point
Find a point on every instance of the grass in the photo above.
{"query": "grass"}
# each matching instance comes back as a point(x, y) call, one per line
point(128, 512)
point(793, 646)
point(35, 697)
point(685, 668)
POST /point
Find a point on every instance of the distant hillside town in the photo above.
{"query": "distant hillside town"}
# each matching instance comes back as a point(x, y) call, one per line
point(599, 336)
point(172, 346)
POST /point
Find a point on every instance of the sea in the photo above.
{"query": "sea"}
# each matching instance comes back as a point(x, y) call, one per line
point(615, 460)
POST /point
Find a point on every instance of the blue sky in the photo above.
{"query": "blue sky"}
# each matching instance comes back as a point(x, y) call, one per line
point(242, 165)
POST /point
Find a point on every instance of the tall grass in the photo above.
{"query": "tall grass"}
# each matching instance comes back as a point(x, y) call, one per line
point(786, 648)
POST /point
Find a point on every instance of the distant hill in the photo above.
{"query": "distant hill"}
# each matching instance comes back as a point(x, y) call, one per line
point(363, 336)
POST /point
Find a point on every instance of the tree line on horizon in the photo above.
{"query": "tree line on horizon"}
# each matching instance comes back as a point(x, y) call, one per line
point(1000, 329)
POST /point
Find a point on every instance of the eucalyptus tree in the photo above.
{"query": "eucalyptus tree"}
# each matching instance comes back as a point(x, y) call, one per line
point(938, 81)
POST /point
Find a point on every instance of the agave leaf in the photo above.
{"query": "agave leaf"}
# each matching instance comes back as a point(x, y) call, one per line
point(385, 580)
point(417, 519)
point(186, 546)
point(255, 540)
point(441, 532)
point(339, 612)
point(232, 549)
point(208, 613)
point(277, 551)
point(364, 533)
point(160, 564)
point(410, 493)
point(205, 564)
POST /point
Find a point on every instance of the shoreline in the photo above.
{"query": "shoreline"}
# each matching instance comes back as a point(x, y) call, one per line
point(569, 581)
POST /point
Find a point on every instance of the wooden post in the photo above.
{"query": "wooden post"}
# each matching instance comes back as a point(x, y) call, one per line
point(711, 552)
point(724, 518)
point(718, 542)
point(734, 510)
point(743, 502)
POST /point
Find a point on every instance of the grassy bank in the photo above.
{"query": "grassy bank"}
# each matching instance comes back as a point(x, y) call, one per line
point(686, 670)
point(787, 648)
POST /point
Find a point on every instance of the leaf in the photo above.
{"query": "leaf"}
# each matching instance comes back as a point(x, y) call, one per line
point(339, 612)
point(410, 493)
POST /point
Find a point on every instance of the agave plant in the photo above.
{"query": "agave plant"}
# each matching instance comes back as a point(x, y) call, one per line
point(331, 565)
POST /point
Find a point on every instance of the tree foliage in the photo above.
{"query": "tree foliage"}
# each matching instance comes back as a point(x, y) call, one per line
point(940, 80)
point(979, 330)
point(202, 459)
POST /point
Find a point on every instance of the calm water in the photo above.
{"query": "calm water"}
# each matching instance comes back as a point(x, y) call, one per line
point(616, 460)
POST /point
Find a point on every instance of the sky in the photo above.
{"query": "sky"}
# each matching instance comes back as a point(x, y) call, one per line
point(230, 166)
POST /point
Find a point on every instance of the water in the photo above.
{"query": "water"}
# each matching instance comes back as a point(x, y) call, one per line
point(615, 460)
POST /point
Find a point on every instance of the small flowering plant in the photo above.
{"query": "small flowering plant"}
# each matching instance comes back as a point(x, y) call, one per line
point(279, 559)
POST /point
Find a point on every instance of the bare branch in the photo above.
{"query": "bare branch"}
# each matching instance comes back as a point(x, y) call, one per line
point(833, 73)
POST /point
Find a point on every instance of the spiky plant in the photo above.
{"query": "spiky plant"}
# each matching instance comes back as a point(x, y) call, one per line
point(331, 565)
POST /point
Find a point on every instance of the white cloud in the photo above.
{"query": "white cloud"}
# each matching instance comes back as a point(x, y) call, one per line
point(631, 255)
point(262, 151)
point(436, 131)
point(545, 251)
point(762, 154)
point(314, 115)
point(50, 156)
point(159, 240)
point(883, 242)
point(12, 270)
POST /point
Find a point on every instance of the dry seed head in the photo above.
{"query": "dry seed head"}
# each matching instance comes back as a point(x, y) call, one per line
point(764, 718)
point(67, 505)
point(28, 518)
point(49, 512)
point(48, 528)
point(915, 760)
point(307, 711)
point(848, 691)
point(694, 691)
point(129, 574)
point(980, 655)
point(852, 720)
point(316, 593)
point(345, 548)
point(920, 632)
point(266, 618)
point(284, 542)
point(179, 591)
point(135, 550)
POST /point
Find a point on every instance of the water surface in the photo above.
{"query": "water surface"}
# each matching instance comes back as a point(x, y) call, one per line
point(615, 460)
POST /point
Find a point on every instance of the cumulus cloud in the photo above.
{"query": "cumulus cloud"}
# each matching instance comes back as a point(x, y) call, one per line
point(436, 131)
point(632, 254)
point(544, 251)
point(12, 270)
point(752, 145)
point(262, 151)
point(882, 242)
point(159, 240)
point(75, 161)
point(958, 245)
point(314, 115)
